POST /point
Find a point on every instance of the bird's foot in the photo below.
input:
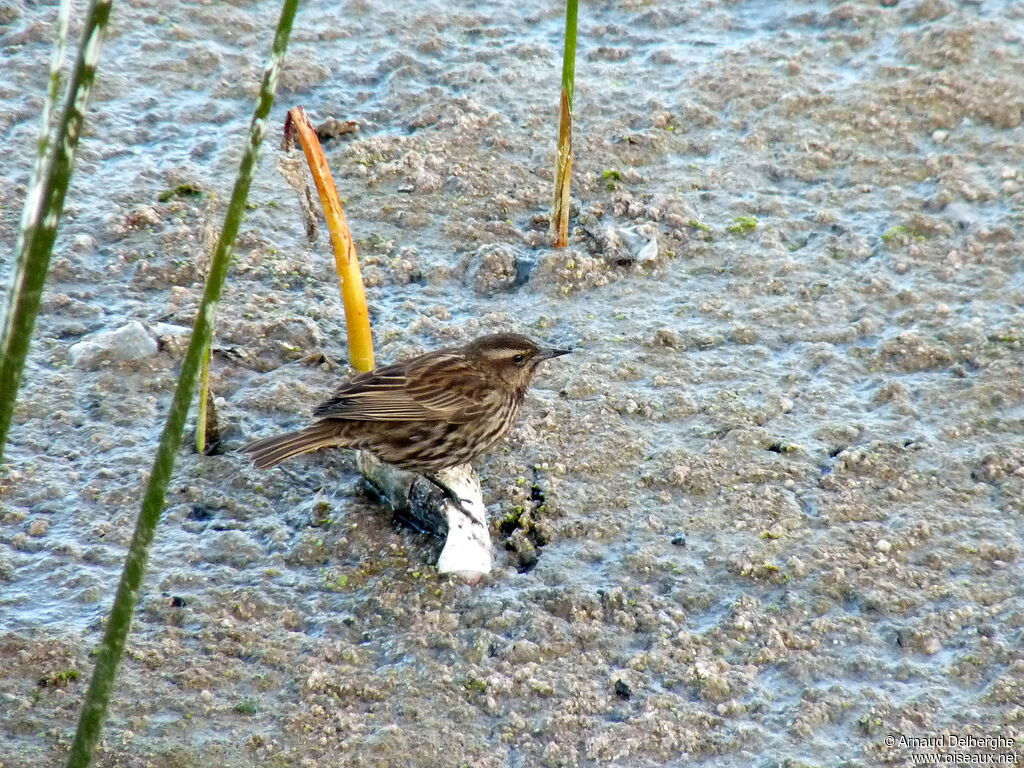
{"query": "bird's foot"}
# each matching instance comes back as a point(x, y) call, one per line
point(460, 502)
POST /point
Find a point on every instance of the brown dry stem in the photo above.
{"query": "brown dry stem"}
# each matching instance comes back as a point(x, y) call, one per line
point(563, 174)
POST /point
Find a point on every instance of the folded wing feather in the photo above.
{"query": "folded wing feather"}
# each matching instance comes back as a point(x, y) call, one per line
point(402, 393)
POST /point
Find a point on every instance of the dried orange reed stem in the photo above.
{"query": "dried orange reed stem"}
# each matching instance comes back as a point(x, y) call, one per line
point(353, 295)
point(563, 168)
point(563, 174)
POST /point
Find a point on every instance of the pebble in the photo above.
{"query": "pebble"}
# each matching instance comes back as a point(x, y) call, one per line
point(493, 268)
point(523, 651)
point(83, 243)
point(129, 342)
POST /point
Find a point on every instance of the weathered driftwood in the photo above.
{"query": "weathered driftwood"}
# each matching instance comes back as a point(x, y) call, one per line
point(467, 548)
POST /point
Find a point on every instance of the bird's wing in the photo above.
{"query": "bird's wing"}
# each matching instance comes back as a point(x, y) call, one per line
point(439, 387)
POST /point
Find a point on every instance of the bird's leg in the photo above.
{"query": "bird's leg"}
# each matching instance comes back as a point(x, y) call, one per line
point(450, 494)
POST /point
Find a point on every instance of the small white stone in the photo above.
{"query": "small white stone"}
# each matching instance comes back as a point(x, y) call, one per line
point(883, 546)
point(648, 252)
point(164, 330)
point(83, 243)
point(129, 342)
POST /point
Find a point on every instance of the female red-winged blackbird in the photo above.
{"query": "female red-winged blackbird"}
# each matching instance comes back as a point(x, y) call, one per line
point(438, 410)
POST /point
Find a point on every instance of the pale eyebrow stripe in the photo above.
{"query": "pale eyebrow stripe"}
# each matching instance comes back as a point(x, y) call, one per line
point(503, 354)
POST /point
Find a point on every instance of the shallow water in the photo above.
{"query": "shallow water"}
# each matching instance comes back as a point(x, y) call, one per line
point(824, 410)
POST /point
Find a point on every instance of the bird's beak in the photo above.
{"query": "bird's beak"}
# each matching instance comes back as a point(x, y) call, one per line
point(549, 352)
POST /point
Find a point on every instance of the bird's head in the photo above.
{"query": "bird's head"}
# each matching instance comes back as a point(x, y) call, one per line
point(512, 357)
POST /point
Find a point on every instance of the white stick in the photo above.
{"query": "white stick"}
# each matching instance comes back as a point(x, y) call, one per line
point(467, 547)
point(467, 550)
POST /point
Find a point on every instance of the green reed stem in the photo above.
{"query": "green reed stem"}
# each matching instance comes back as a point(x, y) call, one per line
point(53, 92)
point(112, 646)
point(569, 50)
point(45, 202)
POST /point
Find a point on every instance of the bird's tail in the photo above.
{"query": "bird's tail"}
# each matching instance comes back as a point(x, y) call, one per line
point(273, 450)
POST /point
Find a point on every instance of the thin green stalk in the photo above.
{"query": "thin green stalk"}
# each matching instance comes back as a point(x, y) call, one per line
point(111, 648)
point(563, 168)
point(43, 207)
point(56, 65)
point(569, 50)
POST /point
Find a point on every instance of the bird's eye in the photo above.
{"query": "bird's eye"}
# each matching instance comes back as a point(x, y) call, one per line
point(519, 359)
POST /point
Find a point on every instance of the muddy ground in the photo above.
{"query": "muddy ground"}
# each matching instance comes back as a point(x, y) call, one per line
point(770, 514)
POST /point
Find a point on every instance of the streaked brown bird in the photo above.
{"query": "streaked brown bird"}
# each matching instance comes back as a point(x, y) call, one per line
point(428, 413)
